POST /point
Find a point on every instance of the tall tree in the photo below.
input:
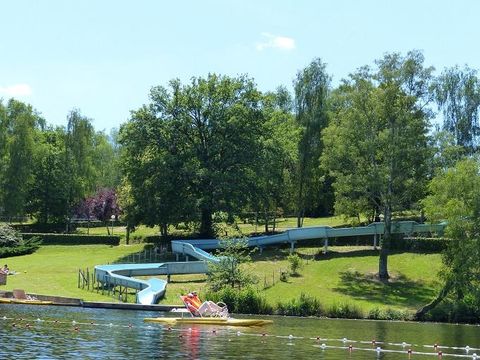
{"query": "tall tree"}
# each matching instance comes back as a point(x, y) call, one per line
point(49, 193)
point(275, 173)
point(79, 146)
point(311, 93)
point(20, 124)
point(207, 133)
point(376, 144)
point(458, 96)
point(155, 190)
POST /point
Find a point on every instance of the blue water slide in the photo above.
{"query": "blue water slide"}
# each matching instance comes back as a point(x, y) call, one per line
point(153, 289)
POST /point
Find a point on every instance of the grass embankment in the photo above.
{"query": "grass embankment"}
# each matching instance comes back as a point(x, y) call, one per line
point(344, 276)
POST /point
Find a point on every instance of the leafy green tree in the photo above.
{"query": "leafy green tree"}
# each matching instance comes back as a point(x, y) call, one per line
point(105, 155)
point(275, 173)
point(230, 270)
point(156, 189)
point(455, 197)
point(312, 87)
point(458, 96)
point(205, 137)
point(79, 157)
point(49, 193)
point(20, 125)
point(445, 152)
point(376, 143)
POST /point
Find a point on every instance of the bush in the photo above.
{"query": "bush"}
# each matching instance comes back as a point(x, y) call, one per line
point(246, 301)
point(295, 263)
point(345, 311)
point(420, 244)
point(9, 237)
point(41, 228)
point(305, 305)
point(12, 243)
point(389, 314)
point(74, 239)
point(466, 310)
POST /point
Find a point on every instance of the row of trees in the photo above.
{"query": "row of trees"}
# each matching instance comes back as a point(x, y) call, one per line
point(207, 151)
point(216, 147)
point(47, 171)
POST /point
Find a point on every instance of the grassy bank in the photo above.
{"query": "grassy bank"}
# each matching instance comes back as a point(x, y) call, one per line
point(344, 276)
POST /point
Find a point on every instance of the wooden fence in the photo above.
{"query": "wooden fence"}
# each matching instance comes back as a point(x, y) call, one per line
point(88, 281)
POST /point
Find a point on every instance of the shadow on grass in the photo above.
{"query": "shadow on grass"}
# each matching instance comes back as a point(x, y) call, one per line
point(188, 281)
point(346, 254)
point(398, 291)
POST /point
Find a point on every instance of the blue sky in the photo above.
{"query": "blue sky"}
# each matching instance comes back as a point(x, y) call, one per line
point(104, 56)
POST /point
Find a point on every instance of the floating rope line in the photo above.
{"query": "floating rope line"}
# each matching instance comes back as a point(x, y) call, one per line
point(406, 347)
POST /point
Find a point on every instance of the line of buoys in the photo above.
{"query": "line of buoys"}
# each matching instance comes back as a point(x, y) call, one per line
point(439, 350)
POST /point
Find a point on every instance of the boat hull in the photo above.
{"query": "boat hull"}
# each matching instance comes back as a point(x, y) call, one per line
point(25, 302)
point(209, 321)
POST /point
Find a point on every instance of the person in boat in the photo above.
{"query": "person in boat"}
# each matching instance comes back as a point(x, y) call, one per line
point(206, 308)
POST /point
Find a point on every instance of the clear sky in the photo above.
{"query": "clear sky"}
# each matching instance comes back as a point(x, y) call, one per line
point(104, 56)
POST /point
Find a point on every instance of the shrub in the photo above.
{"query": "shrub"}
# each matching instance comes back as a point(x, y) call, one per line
point(305, 305)
point(12, 243)
point(345, 310)
point(74, 239)
point(228, 272)
point(246, 301)
point(9, 237)
point(389, 314)
point(42, 228)
point(295, 263)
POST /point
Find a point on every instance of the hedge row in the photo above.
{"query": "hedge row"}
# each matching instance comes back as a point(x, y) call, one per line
point(158, 240)
point(39, 228)
point(74, 239)
point(398, 243)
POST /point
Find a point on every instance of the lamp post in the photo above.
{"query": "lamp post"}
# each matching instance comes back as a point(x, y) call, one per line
point(113, 219)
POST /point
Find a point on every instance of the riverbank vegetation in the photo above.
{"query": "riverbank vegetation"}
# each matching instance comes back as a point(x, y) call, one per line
point(343, 279)
point(215, 156)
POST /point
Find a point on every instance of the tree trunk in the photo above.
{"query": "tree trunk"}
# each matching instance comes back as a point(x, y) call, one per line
point(300, 202)
point(266, 222)
point(127, 236)
point(420, 314)
point(385, 246)
point(164, 230)
point(206, 226)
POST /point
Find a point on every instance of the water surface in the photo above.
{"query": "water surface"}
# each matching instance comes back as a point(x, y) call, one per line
point(48, 332)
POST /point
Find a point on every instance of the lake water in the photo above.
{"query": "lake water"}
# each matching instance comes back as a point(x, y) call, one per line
point(47, 332)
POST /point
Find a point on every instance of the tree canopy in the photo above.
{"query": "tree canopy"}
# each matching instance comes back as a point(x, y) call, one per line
point(376, 143)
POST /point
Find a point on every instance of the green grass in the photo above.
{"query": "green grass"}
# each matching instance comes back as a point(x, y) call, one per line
point(52, 270)
point(345, 275)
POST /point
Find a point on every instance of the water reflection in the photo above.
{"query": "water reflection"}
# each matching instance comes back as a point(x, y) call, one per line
point(114, 334)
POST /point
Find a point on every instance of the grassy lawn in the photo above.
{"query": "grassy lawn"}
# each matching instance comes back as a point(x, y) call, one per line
point(52, 270)
point(345, 275)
